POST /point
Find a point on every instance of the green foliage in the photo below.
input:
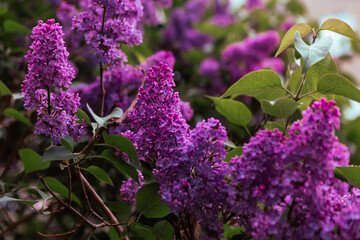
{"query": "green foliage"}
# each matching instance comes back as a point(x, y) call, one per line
point(59, 188)
point(288, 38)
point(31, 159)
point(100, 174)
point(10, 199)
point(350, 175)
point(340, 27)
point(263, 84)
point(119, 207)
point(282, 107)
point(234, 152)
point(335, 84)
point(4, 90)
point(123, 144)
point(313, 53)
point(12, 112)
point(163, 230)
point(15, 27)
point(234, 111)
point(56, 153)
point(82, 115)
point(122, 166)
point(149, 201)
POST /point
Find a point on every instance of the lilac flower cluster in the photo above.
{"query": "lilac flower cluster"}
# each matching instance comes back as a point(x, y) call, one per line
point(251, 54)
point(119, 83)
point(180, 33)
point(222, 15)
point(254, 4)
point(130, 187)
point(292, 178)
point(187, 163)
point(106, 24)
point(48, 73)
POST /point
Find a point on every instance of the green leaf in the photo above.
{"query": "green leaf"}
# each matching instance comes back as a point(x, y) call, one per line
point(325, 66)
point(313, 53)
point(4, 90)
point(123, 144)
point(10, 199)
point(116, 113)
point(350, 175)
point(55, 153)
point(15, 27)
point(82, 115)
point(100, 174)
point(122, 166)
point(67, 144)
point(59, 188)
point(255, 84)
point(142, 232)
point(12, 112)
point(282, 107)
point(30, 160)
point(43, 195)
point(149, 201)
point(163, 230)
point(234, 152)
point(120, 207)
point(340, 27)
point(275, 125)
point(3, 9)
point(234, 111)
point(335, 84)
point(288, 38)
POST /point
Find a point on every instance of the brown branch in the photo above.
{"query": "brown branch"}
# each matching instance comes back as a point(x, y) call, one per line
point(77, 227)
point(70, 185)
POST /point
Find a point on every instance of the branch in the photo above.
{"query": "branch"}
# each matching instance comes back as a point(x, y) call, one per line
point(15, 224)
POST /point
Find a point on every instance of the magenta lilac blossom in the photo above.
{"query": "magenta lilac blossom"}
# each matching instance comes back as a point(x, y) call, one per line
point(48, 73)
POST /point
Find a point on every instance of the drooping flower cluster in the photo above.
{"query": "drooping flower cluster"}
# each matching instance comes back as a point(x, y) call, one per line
point(107, 24)
point(251, 54)
point(292, 178)
point(187, 163)
point(48, 72)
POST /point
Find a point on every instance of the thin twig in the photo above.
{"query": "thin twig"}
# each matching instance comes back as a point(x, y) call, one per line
point(77, 227)
point(16, 224)
point(70, 185)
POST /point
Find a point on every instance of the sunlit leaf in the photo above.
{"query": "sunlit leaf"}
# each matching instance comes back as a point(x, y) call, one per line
point(282, 107)
point(338, 26)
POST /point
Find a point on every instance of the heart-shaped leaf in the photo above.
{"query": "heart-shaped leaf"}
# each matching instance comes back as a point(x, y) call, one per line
point(313, 53)
point(100, 174)
point(116, 113)
point(282, 107)
point(55, 153)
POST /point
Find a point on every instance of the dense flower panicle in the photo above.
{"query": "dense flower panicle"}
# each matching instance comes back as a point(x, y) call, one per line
point(251, 54)
point(222, 15)
point(210, 68)
point(120, 26)
point(48, 68)
point(187, 163)
point(293, 174)
point(157, 117)
point(130, 187)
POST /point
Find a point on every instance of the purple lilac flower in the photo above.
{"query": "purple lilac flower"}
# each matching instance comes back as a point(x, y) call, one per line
point(119, 83)
point(251, 54)
point(180, 33)
point(120, 27)
point(187, 163)
point(222, 15)
point(210, 68)
point(151, 14)
point(130, 187)
point(254, 4)
point(160, 56)
point(48, 72)
point(292, 178)
point(186, 111)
